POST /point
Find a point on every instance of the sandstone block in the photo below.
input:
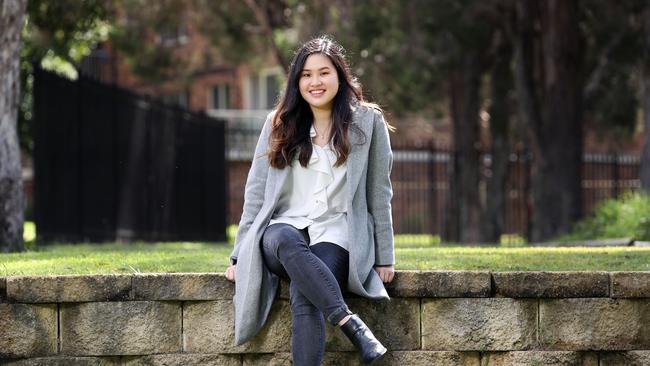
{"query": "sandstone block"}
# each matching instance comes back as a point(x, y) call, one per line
point(492, 324)
point(120, 328)
point(594, 324)
point(431, 358)
point(27, 330)
point(69, 288)
point(630, 284)
point(182, 286)
point(182, 360)
point(546, 358)
point(410, 358)
point(285, 359)
point(395, 322)
point(551, 284)
point(627, 358)
point(440, 284)
point(65, 361)
point(268, 359)
point(209, 327)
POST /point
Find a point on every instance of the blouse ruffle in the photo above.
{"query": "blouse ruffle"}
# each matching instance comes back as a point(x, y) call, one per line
point(319, 162)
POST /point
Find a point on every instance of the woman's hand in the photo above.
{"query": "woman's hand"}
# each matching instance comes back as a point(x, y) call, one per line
point(386, 273)
point(230, 272)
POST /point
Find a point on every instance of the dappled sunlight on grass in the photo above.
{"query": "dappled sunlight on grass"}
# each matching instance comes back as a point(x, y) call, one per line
point(114, 258)
point(526, 259)
point(411, 252)
point(117, 258)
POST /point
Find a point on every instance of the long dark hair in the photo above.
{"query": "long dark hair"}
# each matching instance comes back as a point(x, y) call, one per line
point(293, 118)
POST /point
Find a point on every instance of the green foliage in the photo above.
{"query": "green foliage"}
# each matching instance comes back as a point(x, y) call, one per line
point(139, 33)
point(67, 29)
point(628, 216)
point(231, 28)
point(612, 36)
point(402, 51)
point(394, 55)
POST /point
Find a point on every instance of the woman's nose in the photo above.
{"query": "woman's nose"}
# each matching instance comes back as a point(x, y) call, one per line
point(316, 80)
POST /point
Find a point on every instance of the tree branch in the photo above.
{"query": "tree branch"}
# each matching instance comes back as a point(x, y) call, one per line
point(596, 77)
point(263, 19)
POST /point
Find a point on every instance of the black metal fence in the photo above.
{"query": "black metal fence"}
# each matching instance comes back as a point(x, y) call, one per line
point(421, 198)
point(421, 176)
point(110, 164)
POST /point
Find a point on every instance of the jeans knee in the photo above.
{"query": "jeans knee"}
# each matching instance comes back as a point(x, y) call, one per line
point(300, 305)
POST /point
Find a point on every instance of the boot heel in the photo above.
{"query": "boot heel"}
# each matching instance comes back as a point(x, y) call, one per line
point(370, 349)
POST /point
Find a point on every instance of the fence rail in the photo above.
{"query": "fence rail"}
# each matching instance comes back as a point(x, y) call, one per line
point(109, 164)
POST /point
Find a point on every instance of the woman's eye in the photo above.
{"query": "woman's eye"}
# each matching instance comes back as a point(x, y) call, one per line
point(325, 73)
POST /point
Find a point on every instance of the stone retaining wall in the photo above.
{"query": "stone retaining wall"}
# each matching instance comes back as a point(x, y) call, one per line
point(433, 318)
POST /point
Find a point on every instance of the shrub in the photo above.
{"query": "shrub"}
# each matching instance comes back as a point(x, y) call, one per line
point(627, 216)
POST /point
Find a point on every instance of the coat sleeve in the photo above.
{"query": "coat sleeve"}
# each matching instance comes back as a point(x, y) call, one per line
point(255, 186)
point(380, 191)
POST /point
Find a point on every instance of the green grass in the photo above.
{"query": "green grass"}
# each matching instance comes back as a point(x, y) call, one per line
point(412, 252)
point(525, 259)
point(205, 257)
point(116, 258)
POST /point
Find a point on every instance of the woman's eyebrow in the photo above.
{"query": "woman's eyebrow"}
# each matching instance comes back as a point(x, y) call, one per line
point(324, 67)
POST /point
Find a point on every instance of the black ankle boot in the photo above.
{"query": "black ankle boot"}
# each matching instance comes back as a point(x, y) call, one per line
point(369, 347)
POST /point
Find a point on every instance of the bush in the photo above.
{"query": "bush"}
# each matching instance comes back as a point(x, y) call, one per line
point(628, 216)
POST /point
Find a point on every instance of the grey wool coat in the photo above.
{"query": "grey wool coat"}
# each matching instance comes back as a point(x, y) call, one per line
point(369, 220)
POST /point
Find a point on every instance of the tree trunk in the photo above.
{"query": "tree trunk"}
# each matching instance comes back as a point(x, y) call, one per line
point(465, 175)
point(557, 169)
point(645, 95)
point(501, 81)
point(262, 16)
point(12, 15)
point(527, 94)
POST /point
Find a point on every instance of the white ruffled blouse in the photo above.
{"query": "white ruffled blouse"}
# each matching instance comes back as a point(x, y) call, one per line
point(314, 197)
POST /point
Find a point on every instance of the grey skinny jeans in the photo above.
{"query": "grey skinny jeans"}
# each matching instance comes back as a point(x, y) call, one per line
point(317, 274)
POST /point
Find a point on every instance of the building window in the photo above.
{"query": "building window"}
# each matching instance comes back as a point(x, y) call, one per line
point(171, 37)
point(220, 98)
point(272, 89)
point(263, 88)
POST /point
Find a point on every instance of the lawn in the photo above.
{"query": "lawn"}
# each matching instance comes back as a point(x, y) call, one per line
point(114, 258)
point(411, 252)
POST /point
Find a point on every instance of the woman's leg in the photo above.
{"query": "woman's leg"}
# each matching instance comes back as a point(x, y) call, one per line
point(307, 321)
point(314, 289)
point(270, 259)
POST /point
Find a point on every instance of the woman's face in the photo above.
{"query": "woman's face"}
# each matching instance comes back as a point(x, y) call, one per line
point(319, 81)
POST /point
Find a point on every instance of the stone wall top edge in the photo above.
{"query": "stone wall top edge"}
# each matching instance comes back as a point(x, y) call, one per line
point(121, 275)
point(397, 271)
point(407, 283)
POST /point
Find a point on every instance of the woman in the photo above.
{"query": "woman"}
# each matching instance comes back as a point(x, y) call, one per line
point(317, 208)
